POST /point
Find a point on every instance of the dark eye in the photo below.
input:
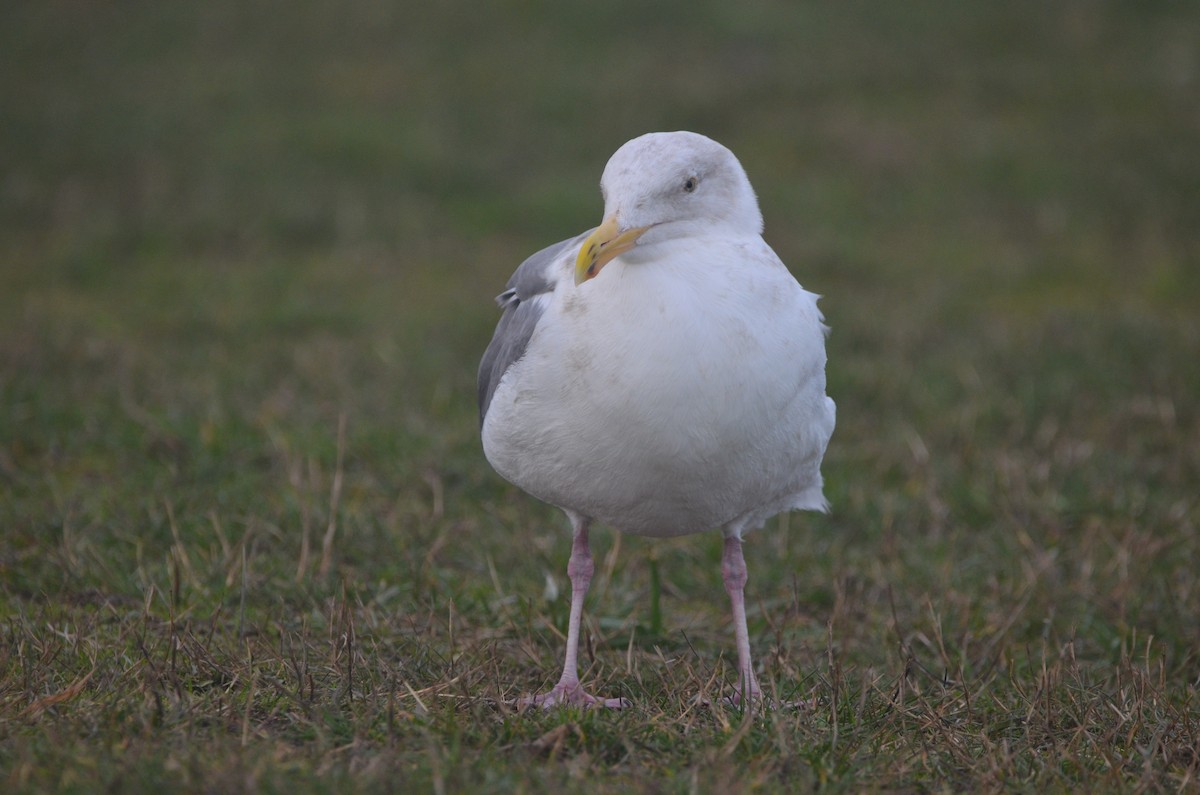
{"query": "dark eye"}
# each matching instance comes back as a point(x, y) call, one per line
point(690, 185)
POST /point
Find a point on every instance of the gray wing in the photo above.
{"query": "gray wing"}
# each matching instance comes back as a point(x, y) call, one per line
point(520, 318)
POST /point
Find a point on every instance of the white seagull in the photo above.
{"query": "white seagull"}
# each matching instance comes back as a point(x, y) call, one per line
point(663, 374)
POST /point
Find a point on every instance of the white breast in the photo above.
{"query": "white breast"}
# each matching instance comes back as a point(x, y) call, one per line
point(671, 395)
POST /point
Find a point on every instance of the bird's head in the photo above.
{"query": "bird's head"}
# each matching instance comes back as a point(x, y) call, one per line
point(663, 185)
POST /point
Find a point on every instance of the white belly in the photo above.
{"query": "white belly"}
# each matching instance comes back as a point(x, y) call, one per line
point(663, 401)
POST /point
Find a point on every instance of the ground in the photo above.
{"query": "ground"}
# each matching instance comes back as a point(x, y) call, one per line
point(249, 540)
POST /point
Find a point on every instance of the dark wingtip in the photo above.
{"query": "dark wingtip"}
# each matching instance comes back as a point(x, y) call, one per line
point(506, 298)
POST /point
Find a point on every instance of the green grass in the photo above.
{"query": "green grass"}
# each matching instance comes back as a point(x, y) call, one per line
point(248, 540)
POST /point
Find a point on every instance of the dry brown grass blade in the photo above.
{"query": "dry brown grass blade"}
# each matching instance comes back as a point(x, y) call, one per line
point(38, 707)
point(335, 496)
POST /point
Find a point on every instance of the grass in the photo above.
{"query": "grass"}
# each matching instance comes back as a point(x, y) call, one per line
point(250, 542)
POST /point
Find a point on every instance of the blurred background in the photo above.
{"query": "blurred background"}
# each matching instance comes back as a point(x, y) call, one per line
point(215, 191)
point(226, 227)
point(248, 252)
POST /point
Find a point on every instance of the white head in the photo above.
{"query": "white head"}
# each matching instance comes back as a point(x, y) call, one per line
point(676, 183)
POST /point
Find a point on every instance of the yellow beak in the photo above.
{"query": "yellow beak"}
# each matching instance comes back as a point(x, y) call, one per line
point(602, 245)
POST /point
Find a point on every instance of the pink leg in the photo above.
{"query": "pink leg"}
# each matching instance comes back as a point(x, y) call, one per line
point(568, 690)
point(733, 569)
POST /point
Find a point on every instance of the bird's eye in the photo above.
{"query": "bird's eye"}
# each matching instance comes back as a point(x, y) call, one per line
point(690, 185)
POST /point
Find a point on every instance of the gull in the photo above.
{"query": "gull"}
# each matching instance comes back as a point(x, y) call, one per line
point(662, 374)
